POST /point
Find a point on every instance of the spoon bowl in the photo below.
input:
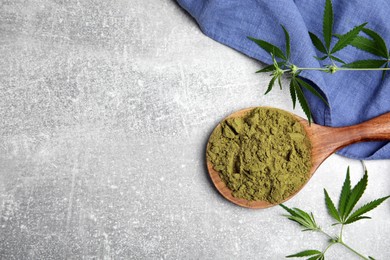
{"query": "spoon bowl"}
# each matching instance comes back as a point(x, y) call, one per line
point(324, 142)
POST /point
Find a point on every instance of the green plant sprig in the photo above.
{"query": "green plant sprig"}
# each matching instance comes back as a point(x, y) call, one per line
point(343, 215)
point(282, 65)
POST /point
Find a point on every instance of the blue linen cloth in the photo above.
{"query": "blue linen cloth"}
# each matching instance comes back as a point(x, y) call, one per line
point(353, 96)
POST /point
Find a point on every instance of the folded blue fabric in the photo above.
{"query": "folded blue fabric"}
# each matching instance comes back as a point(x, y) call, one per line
point(353, 96)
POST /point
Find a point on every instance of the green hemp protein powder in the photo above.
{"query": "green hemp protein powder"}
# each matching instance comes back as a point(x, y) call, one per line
point(264, 155)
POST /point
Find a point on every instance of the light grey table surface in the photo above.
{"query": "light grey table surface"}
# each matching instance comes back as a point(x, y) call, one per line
point(105, 109)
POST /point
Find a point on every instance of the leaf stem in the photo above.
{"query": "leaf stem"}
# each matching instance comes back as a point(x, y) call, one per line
point(326, 234)
point(341, 233)
point(338, 68)
point(326, 249)
point(340, 241)
point(358, 69)
point(352, 250)
point(297, 68)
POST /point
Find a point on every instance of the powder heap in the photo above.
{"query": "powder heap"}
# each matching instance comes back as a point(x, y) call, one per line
point(264, 155)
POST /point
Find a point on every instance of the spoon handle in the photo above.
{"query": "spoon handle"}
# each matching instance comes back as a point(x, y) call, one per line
point(374, 129)
point(327, 140)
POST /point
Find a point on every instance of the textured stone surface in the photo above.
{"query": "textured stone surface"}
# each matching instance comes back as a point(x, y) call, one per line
point(105, 110)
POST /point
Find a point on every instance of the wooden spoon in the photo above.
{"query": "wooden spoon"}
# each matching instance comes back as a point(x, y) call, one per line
point(324, 140)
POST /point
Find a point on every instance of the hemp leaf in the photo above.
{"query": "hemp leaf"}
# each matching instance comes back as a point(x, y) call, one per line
point(267, 68)
point(268, 47)
point(344, 195)
point(331, 208)
point(283, 66)
point(288, 47)
point(311, 89)
point(279, 68)
point(301, 217)
point(377, 46)
point(327, 31)
point(327, 25)
point(346, 39)
point(277, 74)
point(293, 93)
point(348, 199)
point(318, 44)
point(366, 64)
point(311, 252)
point(302, 100)
point(343, 215)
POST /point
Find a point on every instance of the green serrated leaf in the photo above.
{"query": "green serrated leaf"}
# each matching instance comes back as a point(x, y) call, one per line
point(365, 208)
point(322, 58)
point(300, 221)
point(302, 214)
point(270, 85)
point(287, 37)
point(347, 38)
point(317, 43)
point(384, 72)
point(317, 257)
point(349, 221)
point(313, 220)
point(344, 195)
point(293, 93)
point(382, 48)
point(331, 207)
point(301, 217)
point(355, 194)
point(307, 86)
point(292, 212)
point(303, 102)
point(274, 60)
point(268, 47)
point(327, 26)
point(337, 59)
point(267, 69)
point(271, 67)
point(280, 82)
point(306, 253)
point(366, 64)
point(365, 44)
